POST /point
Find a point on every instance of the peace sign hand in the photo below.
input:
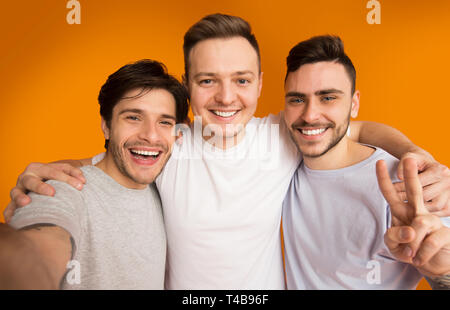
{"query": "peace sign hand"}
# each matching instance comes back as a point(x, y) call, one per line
point(416, 236)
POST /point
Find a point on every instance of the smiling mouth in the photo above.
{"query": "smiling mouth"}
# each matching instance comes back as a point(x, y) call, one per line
point(145, 155)
point(224, 114)
point(312, 132)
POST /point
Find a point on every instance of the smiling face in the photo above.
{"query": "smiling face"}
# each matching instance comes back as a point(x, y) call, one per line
point(224, 85)
point(140, 137)
point(318, 106)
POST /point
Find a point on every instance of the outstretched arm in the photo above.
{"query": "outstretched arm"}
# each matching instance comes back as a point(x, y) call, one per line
point(34, 257)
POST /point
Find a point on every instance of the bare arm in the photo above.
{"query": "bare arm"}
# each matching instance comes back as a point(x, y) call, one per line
point(77, 163)
point(34, 177)
point(34, 257)
point(434, 177)
point(389, 139)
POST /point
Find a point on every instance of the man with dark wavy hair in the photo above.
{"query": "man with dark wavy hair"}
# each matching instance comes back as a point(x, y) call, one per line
point(112, 231)
point(223, 187)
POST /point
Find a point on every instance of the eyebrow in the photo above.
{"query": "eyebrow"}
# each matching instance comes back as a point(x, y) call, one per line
point(295, 94)
point(139, 111)
point(317, 93)
point(328, 91)
point(237, 73)
point(168, 116)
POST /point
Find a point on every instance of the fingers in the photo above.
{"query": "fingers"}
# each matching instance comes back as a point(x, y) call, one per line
point(423, 226)
point(35, 174)
point(440, 205)
point(397, 239)
point(72, 171)
point(413, 187)
point(400, 171)
point(9, 211)
point(33, 183)
point(432, 244)
point(436, 197)
point(430, 172)
point(19, 197)
point(396, 205)
point(64, 173)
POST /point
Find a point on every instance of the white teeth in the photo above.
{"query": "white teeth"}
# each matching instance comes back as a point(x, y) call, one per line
point(224, 114)
point(147, 153)
point(312, 132)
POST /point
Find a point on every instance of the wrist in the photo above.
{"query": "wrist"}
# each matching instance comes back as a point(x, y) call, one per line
point(418, 153)
point(439, 282)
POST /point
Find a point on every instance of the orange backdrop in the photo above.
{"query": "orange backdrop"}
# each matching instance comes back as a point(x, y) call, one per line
point(51, 72)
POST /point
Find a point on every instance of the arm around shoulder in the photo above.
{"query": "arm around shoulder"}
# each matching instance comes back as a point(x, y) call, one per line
point(385, 137)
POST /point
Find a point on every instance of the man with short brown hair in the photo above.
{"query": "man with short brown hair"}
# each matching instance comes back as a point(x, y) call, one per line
point(223, 187)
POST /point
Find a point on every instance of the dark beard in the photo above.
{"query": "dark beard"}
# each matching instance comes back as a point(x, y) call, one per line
point(339, 134)
point(119, 160)
point(336, 139)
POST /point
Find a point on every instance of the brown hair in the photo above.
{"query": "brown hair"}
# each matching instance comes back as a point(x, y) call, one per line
point(144, 74)
point(320, 48)
point(217, 26)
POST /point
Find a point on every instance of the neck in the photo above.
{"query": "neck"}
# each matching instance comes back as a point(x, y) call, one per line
point(344, 154)
point(109, 167)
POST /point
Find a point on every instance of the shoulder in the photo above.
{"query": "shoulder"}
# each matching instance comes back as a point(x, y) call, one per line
point(267, 120)
point(391, 162)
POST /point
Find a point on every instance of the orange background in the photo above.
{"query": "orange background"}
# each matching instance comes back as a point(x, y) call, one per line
point(51, 72)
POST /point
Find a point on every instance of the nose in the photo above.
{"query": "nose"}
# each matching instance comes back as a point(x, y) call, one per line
point(311, 113)
point(149, 132)
point(226, 94)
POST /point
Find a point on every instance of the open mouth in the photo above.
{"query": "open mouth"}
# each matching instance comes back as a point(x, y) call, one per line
point(143, 155)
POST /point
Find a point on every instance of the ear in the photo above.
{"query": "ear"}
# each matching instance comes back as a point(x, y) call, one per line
point(105, 129)
point(260, 83)
point(185, 82)
point(355, 104)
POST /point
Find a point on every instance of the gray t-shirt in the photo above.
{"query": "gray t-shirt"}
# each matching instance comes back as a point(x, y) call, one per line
point(333, 225)
point(119, 236)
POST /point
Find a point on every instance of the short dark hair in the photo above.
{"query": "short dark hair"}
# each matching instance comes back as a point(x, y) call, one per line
point(145, 74)
point(320, 48)
point(216, 26)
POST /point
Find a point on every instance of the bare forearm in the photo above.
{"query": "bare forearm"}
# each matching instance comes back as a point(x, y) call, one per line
point(77, 163)
point(20, 265)
point(439, 283)
point(385, 137)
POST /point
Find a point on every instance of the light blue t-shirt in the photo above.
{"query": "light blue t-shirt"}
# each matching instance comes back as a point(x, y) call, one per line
point(333, 225)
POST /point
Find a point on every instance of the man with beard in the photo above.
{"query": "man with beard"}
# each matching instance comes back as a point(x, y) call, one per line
point(334, 216)
point(223, 187)
point(112, 231)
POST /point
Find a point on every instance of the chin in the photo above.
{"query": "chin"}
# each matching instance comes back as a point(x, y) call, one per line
point(144, 180)
point(312, 152)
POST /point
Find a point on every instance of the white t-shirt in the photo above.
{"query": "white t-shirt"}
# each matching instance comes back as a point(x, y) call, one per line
point(222, 208)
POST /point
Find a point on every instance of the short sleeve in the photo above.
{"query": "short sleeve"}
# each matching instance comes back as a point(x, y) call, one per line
point(446, 221)
point(65, 210)
point(97, 158)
